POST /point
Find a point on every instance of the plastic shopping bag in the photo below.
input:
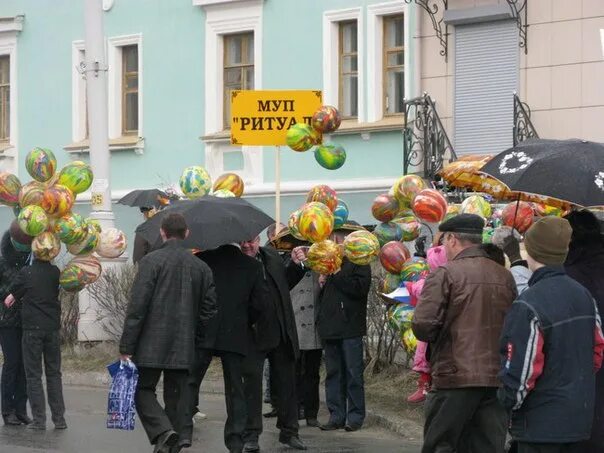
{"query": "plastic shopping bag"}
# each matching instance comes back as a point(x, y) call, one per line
point(120, 406)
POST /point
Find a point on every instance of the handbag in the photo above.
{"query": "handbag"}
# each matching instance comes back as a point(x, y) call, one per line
point(121, 409)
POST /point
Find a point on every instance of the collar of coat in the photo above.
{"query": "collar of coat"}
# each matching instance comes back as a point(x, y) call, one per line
point(471, 252)
point(173, 243)
point(546, 272)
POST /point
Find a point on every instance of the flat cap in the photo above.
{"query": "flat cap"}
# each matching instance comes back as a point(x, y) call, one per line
point(463, 223)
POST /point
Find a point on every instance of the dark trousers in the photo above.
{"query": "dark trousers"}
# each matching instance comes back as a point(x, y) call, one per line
point(307, 385)
point(233, 394)
point(41, 345)
point(13, 386)
point(283, 386)
point(155, 419)
point(344, 385)
point(523, 447)
point(468, 420)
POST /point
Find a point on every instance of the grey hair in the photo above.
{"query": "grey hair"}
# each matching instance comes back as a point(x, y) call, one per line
point(470, 238)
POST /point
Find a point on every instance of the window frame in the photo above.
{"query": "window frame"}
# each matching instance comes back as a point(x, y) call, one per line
point(245, 66)
point(385, 67)
point(5, 110)
point(341, 74)
point(125, 91)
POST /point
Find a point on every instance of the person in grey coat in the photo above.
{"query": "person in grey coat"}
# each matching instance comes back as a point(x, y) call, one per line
point(173, 298)
point(304, 300)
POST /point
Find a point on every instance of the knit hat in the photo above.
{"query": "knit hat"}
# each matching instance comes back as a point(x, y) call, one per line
point(548, 239)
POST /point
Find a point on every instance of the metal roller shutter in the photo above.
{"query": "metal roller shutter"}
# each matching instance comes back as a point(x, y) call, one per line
point(486, 76)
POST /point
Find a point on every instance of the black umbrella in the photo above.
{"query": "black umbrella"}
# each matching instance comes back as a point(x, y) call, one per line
point(145, 198)
point(567, 170)
point(212, 221)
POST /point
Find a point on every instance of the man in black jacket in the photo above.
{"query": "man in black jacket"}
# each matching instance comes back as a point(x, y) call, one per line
point(342, 322)
point(241, 300)
point(551, 346)
point(37, 289)
point(275, 337)
point(172, 300)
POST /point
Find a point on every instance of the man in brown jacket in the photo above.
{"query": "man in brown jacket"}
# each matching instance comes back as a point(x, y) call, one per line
point(460, 314)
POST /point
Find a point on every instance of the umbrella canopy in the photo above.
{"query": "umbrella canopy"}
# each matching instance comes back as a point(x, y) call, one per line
point(145, 198)
point(212, 221)
point(564, 170)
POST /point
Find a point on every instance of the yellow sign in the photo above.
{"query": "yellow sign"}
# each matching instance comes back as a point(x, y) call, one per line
point(263, 117)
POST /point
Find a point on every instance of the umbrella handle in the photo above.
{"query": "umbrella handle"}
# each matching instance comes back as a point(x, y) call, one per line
point(516, 214)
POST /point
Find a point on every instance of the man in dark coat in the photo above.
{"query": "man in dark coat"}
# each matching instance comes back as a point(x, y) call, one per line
point(551, 346)
point(241, 300)
point(36, 287)
point(141, 246)
point(172, 300)
point(585, 264)
point(342, 322)
point(13, 385)
point(275, 337)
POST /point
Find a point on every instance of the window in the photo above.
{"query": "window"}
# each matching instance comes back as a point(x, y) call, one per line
point(394, 64)
point(348, 70)
point(238, 68)
point(4, 98)
point(130, 90)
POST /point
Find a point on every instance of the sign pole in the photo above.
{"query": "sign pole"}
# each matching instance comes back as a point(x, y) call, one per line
point(278, 187)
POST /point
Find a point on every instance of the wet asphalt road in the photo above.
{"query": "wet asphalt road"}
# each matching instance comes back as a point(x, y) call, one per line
point(86, 412)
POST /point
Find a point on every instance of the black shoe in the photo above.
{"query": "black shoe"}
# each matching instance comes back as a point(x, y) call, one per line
point(352, 428)
point(292, 442)
point(330, 426)
point(251, 446)
point(37, 426)
point(23, 418)
point(301, 415)
point(271, 414)
point(312, 422)
point(11, 420)
point(166, 441)
point(61, 424)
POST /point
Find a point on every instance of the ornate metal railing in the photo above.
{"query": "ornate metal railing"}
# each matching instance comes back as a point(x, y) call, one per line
point(523, 127)
point(425, 141)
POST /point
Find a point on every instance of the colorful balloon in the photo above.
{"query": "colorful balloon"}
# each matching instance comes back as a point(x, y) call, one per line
point(400, 316)
point(91, 267)
point(94, 223)
point(385, 207)
point(478, 205)
point(407, 187)
point(543, 210)
point(324, 257)
point(389, 283)
point(409, 341)
point(76, 176)
point(410, 227)
point(112, 243)
point(32, 193)
point(293, 223)
point(73, 278)
point(430, 205)
point(393, 257)
point(361, 247)
point(415, 269)
point(316, 222)
point(231, 182)
point(46, 246)
point(195, 182)
point(326, 119)
point(41, 164)
point(388, 231)
point(33, 220)
point(301, 137)
point(452, 211)
point(71, 228)
point(87, 245)
point(323, 194)
point(17, 235)
point(340, 215)
point(330, 156)
point(57, 201)
point(10, 186)
point(518, 215)
point(223, 193)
